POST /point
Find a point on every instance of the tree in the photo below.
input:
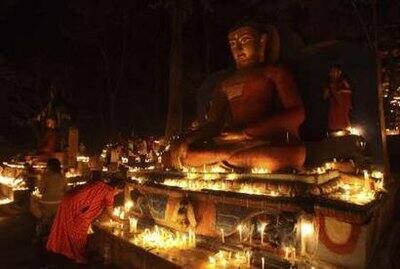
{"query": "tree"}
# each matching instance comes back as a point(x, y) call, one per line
point(104, 27)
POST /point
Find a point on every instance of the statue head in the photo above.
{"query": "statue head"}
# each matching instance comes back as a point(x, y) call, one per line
point(247, 42)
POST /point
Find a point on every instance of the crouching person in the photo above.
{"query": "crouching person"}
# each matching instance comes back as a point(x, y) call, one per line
point(77, 211)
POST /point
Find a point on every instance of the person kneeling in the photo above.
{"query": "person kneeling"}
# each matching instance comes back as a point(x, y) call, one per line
point(76, 212)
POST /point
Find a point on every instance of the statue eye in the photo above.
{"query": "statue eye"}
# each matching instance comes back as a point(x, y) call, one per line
point(232, 44)
point(245, 39)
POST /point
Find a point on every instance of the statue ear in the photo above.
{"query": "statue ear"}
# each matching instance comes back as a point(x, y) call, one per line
point(263, 47)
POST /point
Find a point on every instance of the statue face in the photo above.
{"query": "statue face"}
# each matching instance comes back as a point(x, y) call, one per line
point(245, 43)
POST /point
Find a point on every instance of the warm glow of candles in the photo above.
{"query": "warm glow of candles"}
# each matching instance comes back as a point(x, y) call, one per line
point(307, 230)
point(257, 170)
point(366, 180)
point(222, 236)
point(251, 235)
point(355, 131)
point(224, 258)
point(133, 225)
point(240, 230)
point(128, 205)
point(262, 229)
point(84, 159)
point(15, 183)
point(163, 238)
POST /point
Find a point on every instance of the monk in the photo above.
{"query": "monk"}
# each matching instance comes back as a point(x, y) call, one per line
point(76, 212)
point(254, 116)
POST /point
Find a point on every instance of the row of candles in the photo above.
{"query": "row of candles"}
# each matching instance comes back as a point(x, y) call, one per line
point(162, 238)
point(361, 194)
point(14, 183)
point(220, 185)
point(158, 237)
point(239, 229)
point(216, 172)
point(238, 259)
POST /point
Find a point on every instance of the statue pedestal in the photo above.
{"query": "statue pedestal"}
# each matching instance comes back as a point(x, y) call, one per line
point(341, 230)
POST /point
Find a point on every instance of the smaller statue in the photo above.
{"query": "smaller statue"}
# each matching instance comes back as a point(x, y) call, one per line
point(50, 142)
point(337, 91)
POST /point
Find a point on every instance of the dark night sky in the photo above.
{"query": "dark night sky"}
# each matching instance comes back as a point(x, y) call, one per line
point(76, 48)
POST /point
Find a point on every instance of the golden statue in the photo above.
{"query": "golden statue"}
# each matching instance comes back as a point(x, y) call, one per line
point(254, 116)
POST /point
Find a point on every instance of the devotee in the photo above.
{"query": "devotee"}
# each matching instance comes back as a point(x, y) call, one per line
point(52, 188)
point(76, 212)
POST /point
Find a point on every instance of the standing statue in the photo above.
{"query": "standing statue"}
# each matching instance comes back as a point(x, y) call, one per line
point(254, 116)
point(337, 91)
point(50, 143)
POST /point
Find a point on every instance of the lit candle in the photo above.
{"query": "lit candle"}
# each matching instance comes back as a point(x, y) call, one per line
point(262, 229)
point(222, 236)
point(133, 225)
point(192, 238)
point(240, 229)
point(248, 257)
point(211, 260)
point(366, 180)
point(307, 229)
point(128, 205)
point(251, 235)
point(286, 250)
point(262, 263)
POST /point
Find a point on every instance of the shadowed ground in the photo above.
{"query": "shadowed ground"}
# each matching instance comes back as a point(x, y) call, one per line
point(17, 246)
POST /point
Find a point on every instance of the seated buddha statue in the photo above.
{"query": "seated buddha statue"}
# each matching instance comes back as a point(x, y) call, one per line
point(254, 115)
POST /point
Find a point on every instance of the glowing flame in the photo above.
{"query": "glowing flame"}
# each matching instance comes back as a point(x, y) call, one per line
point(260, 171)
point(84, 159)
point(222, 258)
point(165, 239)
point(355, 131)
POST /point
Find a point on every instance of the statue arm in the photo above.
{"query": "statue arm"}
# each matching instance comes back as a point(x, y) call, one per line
point(215, 120)
point(292, 115)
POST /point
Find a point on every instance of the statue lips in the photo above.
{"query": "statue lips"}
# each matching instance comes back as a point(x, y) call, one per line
point(241, 57)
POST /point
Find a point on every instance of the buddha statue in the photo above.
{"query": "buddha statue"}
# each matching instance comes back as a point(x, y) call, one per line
point(254, 115)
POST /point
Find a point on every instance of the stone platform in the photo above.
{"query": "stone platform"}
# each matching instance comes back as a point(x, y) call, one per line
point(344, 216)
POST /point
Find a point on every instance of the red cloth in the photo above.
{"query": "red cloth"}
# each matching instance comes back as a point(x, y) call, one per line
point(76, 212)
point(339, 108)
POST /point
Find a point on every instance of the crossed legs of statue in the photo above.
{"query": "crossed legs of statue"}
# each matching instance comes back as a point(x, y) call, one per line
point(247, 155)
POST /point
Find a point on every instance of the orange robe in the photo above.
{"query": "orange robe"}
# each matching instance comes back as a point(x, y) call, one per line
point(76, 212)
